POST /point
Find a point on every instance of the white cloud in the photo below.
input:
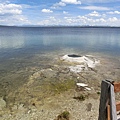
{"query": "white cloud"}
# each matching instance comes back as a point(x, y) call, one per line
point(50, 21)
point(113, 19)
point(46, 11)
point(57, 5)
point(13, 20)
point(11, 14)
point(95, 8)
point(60, 4)
point(10, 9)
point(64, 12)
point(94, 14)
point(98, 1)
point(114, 12)
point(71, 1)
point(81, 20)
point(86, 20)
point(63, 3)
point(100, 20)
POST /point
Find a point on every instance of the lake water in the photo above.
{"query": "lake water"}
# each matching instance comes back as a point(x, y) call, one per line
point(27, 50)
point(31, 40)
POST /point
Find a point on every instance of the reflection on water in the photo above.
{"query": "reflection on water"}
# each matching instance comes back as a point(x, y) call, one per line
point(87, 39)
point(14, 42)
point(11, 38)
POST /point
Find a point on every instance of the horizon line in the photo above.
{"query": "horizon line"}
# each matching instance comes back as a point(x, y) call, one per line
point(58, 26)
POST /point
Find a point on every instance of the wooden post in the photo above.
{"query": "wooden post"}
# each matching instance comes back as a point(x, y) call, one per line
point(113, 113)
point(108, 112)
point(107, 108)
point(105, 93)
point(116, 86)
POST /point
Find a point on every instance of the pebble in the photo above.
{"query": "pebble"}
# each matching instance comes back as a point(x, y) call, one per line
point(2, 103)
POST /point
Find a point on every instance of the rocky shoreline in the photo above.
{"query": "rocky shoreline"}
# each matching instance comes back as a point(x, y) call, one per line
point(53, 106)
point(50, 90)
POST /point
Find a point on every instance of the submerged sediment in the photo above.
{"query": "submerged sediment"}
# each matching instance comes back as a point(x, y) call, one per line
point(51, 86)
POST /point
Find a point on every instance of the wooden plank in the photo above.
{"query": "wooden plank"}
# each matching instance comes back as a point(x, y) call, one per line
point(113, 113)
point(116, 86)
point(105, 87)
point(108, 112)
point(118, 106)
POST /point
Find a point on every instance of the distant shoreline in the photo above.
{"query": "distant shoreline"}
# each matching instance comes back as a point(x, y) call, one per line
point(35, 26)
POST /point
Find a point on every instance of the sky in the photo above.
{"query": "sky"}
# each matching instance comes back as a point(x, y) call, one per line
point(60, 12)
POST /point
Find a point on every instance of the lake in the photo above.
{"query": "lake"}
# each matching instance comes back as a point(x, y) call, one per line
point(29, 54)
point(31, 40)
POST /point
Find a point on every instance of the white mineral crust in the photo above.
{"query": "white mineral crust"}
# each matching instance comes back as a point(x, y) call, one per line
point(83, 62)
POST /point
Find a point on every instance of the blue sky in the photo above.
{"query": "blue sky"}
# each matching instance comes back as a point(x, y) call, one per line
point(60, 12)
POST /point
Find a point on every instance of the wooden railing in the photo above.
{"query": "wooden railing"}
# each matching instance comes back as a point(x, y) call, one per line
point(108, 107)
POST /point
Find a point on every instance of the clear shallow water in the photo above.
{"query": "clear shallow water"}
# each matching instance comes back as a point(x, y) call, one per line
point(27, 50)
point(31, 40)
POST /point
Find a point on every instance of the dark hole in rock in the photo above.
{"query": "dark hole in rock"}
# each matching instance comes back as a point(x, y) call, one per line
point(73, 55)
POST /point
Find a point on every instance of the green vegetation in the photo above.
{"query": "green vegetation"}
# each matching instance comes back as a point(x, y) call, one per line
point(80, 98)
point(56, 87)
point(63, 116)
point(62, 86)
point(98, 93)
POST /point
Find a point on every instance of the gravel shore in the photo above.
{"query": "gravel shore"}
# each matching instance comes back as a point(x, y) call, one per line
point(53, 106)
